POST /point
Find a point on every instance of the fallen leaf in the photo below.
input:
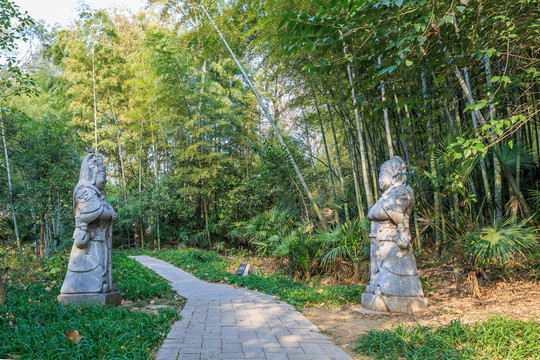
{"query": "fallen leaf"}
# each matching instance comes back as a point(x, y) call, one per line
point(319, 291)
point(74, 336)
point(123, 347)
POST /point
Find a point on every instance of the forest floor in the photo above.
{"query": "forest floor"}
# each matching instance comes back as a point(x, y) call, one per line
point(449, 291)
point(453, 292)
point(516, 300)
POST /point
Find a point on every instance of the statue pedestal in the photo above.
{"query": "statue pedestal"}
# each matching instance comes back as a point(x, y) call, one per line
point(401, 304)
point(112, 298)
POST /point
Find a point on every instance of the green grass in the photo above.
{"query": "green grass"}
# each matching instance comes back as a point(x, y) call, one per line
point(209, 266)
point(495, 338)
point(138, 283)
point(33, 325)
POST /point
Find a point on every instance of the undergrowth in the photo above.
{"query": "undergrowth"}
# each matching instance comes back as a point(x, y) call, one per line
point(209, 266)
point(34, 326)
point(495, 338)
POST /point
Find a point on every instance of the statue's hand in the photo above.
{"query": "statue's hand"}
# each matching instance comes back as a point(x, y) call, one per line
point(108, 212)
point(80, 237)
point(403, 240)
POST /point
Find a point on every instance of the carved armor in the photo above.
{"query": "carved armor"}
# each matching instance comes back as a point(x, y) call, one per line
point(90, 267)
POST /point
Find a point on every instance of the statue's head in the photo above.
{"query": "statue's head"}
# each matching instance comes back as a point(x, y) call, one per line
point(392, 172)
point(93, 171)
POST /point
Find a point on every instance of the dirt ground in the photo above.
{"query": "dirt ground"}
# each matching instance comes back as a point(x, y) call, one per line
point(518, 300)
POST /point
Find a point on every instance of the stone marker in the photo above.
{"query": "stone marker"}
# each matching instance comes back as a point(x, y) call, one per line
point(243, 270)
point(89, 276)
point(394, 284)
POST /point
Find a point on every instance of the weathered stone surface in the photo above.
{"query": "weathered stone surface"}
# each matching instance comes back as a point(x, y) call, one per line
point(89, 275)
point(394, 284)
point(112, 298)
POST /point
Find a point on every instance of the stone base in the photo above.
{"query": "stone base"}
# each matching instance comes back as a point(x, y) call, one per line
point(113, 298)
point(400, 304)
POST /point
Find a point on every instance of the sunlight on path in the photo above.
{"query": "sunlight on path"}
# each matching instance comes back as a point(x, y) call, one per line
point(221, 322)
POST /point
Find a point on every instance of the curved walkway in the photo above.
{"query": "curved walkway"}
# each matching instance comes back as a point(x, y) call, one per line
point(222, 322)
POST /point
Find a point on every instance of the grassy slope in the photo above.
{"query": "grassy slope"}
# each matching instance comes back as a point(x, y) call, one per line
point(33, 325)
point(496, 338)
point(209, 266)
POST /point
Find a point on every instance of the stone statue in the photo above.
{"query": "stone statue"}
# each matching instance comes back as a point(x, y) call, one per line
point(89, 275)
point(394, 284)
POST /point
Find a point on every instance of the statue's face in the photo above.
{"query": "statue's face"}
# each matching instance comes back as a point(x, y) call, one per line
point(385, 178)
point(101, 180)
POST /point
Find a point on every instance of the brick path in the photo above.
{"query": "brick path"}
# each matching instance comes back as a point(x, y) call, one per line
point(221, 322)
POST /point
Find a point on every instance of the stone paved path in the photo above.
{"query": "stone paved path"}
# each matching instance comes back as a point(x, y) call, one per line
point(221, 322)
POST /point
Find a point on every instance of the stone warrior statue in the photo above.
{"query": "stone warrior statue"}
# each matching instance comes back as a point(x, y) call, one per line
point(394, 284)
point(89, 275)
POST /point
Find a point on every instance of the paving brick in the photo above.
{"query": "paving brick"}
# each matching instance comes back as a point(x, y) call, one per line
point(171, 344)
point(254, 353)
point(276, 356)
point(167, 354)
point(189, 357)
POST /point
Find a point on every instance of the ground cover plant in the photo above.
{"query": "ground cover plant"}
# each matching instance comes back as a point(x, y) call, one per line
point(495, 338)
point(209, 266)
point(33, 325)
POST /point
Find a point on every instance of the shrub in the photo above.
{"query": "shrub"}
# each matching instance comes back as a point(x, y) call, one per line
point(501, 242)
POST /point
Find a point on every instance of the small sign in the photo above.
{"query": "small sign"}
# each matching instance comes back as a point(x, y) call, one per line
point(243, 270)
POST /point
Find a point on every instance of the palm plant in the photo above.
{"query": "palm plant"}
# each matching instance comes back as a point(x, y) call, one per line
point(348, 241)
point(265, 231)
point(297, 247)
point(502, 241)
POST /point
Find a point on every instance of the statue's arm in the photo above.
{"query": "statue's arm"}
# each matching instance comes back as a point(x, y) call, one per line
point(89, 208)
point(397, 207)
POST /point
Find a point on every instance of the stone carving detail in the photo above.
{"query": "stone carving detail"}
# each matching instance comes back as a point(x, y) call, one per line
point(89, 275)
point(394, 284)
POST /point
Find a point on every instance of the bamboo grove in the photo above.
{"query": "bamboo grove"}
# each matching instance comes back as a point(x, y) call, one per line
point(451, 87)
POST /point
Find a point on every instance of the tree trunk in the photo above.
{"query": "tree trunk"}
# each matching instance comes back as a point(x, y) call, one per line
point(141, 220)
point(16, 228)
point(156, 180)
point(95, 105)
point(517, 191)
point(496, 165)
point(360, 139)
point(474, 115)
point(330, 176)
point(434, 174)
point(350, 145)
point(372, 156)
point(338, 158)
point(42, 237)
point(385, 115)
point(2, 289)
point(403, 141)
point(310, 152)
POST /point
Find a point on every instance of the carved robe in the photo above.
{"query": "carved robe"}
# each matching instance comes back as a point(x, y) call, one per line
point(90, 267)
